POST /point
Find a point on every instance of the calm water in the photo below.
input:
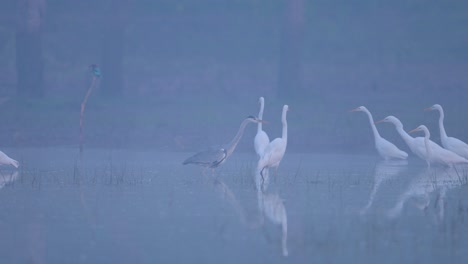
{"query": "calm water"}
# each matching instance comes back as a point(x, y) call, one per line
point(145, 207)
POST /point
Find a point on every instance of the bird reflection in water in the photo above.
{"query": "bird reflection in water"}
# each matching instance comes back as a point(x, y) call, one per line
point(432, 180)
point(384, 170)
point(271, 206)
point(227, 194)
point(9, 177)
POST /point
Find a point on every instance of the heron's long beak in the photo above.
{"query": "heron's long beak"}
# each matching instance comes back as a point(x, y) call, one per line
point(428, 109)
point(414, 130)
point(353, 110)
point(263, 121)
point(378, 122)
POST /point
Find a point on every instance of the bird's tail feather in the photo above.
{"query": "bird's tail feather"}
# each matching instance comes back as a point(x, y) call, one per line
point(14, 163)
point(187, 161)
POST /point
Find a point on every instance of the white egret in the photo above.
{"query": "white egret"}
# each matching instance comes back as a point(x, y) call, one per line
point(385, 148)
point(450, 143)
point(261, 138)
point(5, 160)
point(416, 144)
point(438, 155)
point(214, 157)
point(275, 150)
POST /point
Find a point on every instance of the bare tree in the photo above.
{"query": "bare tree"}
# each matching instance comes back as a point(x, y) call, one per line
point(29, 58)
point(290, 65)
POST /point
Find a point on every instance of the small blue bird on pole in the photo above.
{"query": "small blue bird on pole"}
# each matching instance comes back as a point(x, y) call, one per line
point(95, 70)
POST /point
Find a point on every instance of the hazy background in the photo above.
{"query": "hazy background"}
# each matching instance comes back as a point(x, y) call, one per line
point(192, 70)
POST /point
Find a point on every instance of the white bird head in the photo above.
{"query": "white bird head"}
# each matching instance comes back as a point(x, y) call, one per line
point(419, 128)
point(254, 119)
point(359, 109)
point(261, 100)
point(434, 107)
point(389, 119)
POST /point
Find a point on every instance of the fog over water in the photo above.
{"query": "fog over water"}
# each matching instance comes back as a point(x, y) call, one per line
point(102, 102)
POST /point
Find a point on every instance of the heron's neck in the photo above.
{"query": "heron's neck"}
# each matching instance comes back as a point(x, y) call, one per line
point(260, 116)
point(232, 145)
point(371, 121)
point(443, 134)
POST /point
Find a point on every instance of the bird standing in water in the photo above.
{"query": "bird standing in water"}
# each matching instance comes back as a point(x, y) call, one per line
point(416, 144)
point(213, 158)
point(386, 149)
point(261, 139)
point(450, 143)
point(438, 155)
point(275, 150)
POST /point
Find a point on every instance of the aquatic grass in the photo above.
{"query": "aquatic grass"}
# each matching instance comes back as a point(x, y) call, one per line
point(111, 176)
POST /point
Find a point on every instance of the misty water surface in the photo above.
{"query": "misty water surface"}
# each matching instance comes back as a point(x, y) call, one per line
point(145, 207)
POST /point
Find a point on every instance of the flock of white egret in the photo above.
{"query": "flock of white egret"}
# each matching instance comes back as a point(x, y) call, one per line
point(270, 153)
point(454, 151)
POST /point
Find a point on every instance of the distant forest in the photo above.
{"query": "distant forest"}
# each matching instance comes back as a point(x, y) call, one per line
point(273, 47)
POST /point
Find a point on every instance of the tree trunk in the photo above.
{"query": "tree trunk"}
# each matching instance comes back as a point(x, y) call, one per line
point(113, 49)
point(29, 58)
point(290, 65)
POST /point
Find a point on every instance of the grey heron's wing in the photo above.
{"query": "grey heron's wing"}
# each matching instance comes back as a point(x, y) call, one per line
point(208, 158)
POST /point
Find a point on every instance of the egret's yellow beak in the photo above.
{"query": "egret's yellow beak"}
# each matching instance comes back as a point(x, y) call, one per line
point(380, 121)
point(353, 110)
point(428, 109)
point(414, 130)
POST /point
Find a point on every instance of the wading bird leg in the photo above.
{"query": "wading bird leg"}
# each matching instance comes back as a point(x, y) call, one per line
point(261, 174)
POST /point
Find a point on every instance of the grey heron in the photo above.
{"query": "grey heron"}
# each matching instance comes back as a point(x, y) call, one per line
point(214, 157)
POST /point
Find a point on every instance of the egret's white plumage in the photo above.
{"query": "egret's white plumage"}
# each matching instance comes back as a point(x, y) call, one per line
point(275, 150)
point(450, 143)
point(261, 138)
point(385, 148)
point(438, 154)
point(415, 144)
point(5, 160)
